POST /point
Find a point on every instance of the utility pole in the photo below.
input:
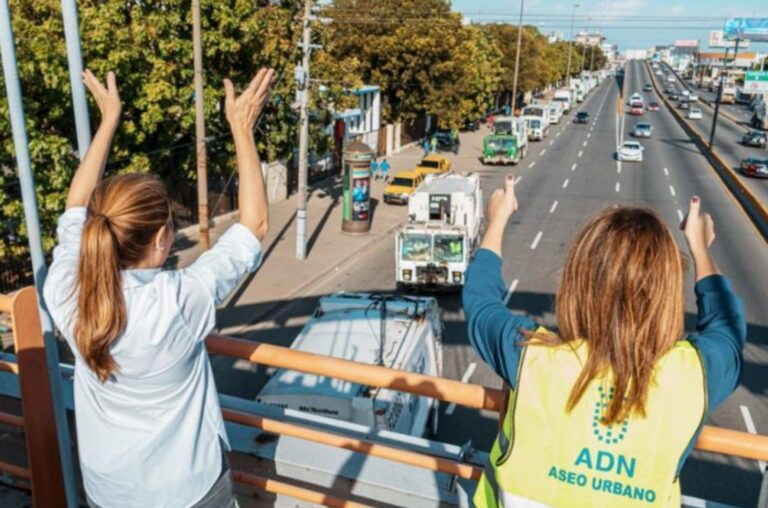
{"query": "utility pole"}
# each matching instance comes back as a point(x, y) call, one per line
point(202, 162)
point(592, 59)
point(517, 55)
point(301, 209)
point(75, 61)
point(720, 91)
point(570, 44)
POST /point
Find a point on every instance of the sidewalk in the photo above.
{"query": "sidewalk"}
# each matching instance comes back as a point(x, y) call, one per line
point(281, 276)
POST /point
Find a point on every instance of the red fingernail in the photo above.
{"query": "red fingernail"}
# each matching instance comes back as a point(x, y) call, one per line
point(509, 177)
point(695, 199)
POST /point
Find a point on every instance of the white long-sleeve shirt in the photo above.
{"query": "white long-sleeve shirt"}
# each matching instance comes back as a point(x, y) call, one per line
point(149, 436)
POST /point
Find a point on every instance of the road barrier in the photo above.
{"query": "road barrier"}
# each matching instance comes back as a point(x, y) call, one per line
point(750, 204)
point(712, 439)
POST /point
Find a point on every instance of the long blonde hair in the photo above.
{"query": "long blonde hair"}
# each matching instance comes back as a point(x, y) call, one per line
point(622, 290)
point(124, 214)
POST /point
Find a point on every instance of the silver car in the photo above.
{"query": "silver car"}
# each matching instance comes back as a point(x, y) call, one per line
point(630, 151)
point(642, 130)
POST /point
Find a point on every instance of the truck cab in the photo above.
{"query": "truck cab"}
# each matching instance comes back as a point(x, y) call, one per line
point(537, 120)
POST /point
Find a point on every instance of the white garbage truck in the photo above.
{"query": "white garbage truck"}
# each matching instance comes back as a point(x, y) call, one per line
point(555, 112)
point(565, 97)
point(435, 247)
point(537, 119)
point(398, 332)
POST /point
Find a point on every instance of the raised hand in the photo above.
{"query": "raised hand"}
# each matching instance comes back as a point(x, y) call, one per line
point(503, 202)
point(698, 227)
point(107, 98)
point(244, 111)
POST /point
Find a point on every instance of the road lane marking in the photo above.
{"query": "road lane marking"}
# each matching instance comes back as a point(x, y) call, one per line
point(589, 134)
point(680, 214)
point(565, 183)
point(618, 167)
point(751, 429)
point(554, 205)
point(666, 172)
point(511, 290)
point(573, 168)
point(672, 191)
point(551, 142)
point(532, 164)
point(584, 143)
point(543, 151)
point(618, 186)
point(558, 134)
point(536, 240)
point(517, 179)
point(580, 153)
point(464, 379)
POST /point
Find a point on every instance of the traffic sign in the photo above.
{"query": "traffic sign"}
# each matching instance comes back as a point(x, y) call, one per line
point(756, 82)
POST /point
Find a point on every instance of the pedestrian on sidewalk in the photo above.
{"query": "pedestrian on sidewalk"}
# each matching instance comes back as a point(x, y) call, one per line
point(375, 169)
point(149, 425)
point(384, 169)
point(433, 143)
point(425, 145)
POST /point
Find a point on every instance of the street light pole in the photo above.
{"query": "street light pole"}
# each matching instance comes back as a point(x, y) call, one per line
point(517, 55)
point(570, 44)
point(720, 91)
point(202, 162)
point(301, 209)
point(75, 62)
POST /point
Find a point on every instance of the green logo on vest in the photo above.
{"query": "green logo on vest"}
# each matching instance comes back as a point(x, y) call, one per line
point(610, 434)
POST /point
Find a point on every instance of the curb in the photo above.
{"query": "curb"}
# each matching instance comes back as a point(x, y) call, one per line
point(189, 232)
point(750, 204)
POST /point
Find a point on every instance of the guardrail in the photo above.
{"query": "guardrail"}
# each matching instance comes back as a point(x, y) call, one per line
point(755, 210)
point(712, 439)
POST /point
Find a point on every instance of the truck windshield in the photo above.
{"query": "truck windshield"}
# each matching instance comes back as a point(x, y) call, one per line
point(430, 164)
point(402, 182)
point(448, 248)
point(502, 127)
point(501, 144)
point(415, 247)
point(535, 124)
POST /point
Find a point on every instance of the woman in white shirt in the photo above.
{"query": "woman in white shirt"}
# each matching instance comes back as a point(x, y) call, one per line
point(149, 426)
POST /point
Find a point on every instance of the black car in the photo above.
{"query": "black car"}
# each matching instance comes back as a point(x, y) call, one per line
point(447, 142)
point(683, 105)
point(581, 117)
point(755, 138)
point(674, 96)
point(754, 166)
point(472, 125)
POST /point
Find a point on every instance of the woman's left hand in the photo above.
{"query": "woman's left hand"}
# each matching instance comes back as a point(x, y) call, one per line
point(503, 202)
point(107, 98)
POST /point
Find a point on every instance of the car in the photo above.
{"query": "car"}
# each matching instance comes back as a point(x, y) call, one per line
point(433, 163)
point(654, 106)
point(694, 114)
point(659, 73)
point(671, 78)
point(754, 166)
point(693, 97)
point(636, 109)
point(674, 96)
point(402, 186)
point(581, 117)
point(446, 142)
point(648, 87)
point(642, 130)
point(669, 89)
point(683, 105)
point(635, 97)
point(755, 138)
point(472, 125)
point(630, 151)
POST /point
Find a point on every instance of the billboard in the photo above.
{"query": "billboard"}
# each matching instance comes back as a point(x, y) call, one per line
point(755, 82)
point(717, 40)
point(687, 43)
point(753, 29)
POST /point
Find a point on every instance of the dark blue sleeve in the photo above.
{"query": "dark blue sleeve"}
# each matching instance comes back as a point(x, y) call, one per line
point(721, 334)
point(493, 329)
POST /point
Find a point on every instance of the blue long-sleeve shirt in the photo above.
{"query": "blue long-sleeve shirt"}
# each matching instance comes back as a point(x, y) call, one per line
point(494, 330)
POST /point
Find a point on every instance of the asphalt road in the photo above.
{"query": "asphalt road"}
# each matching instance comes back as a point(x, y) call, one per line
point(565, 179)
point(728, 136)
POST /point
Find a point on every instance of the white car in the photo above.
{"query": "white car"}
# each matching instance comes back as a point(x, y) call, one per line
point(659, 73)
point(693, 97)
point(671, 78)
point(694, 114)
point(631, 151)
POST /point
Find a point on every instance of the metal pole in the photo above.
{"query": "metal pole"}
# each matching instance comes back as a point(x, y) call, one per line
point(592, 60)
point(202, 163)
point(27, 182)
point(517, 55)
point(301, 211)
point(75, 60)
point(570, 44)
point(720, 92)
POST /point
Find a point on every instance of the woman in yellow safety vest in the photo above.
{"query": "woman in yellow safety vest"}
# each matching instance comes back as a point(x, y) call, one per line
point(605, 411)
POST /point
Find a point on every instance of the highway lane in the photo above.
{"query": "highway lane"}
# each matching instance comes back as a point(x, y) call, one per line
point(561, 184)
point(728, 142)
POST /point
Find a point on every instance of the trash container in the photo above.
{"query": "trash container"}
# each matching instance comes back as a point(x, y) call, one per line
point(356, 217)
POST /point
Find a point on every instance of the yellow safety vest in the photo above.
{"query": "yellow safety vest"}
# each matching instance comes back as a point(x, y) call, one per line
point(546, 456)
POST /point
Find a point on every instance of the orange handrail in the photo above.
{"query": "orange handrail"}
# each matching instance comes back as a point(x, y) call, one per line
point(11, 419)
point(287, 489)
point(9, 367)
point(421, 460)
point(15, 470)
point(6, 303)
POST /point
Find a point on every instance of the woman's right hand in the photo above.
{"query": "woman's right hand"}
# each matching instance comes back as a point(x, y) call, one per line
point(107, 98)
point(698, 227)
point(503, 202)
point(244, 111)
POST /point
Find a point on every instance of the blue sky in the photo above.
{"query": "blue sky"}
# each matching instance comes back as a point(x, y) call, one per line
point(628, 23)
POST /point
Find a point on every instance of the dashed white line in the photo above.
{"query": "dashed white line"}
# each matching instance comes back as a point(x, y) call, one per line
point(532, 164)
point(464, 378)
point(666, 172)
point(517, 179)
point(680, 215)
point(554, 205)
point(536, 240)
point(543, 151)
point(751, 429)
point(558, 134)
point(580, 153)
point(551, 142)
point(565, 183)
point(618, 186)
point(511, 290)
point(672, 191)
point(573, 168)
point(589, 134)
point(584, 143)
